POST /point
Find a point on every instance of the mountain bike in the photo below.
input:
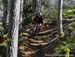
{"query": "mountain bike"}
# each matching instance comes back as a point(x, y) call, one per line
point(36, 29)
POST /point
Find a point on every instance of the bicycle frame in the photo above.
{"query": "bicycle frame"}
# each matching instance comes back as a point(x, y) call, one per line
point(36, 29)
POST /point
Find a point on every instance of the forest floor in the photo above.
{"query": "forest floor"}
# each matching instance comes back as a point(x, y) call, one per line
point(41, 45)
point(33, 46)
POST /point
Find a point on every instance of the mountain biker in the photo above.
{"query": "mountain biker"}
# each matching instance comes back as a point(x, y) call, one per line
point(37, 20)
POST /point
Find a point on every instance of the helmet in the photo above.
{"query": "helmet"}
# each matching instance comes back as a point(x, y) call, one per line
point(37, 13)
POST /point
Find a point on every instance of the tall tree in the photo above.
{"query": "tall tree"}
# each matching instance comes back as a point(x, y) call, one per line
point(60, 25)
point(36, 5)
point(21, 12)
point(14, 27)
point(24, 13)
point(5, 2)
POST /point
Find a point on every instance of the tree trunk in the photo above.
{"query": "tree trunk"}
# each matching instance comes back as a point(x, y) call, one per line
point(24, 6)
point(14, 27)
point(36, 5)
point(24, 14)
point(60, 25)
point(21, 11)
point(4, 13)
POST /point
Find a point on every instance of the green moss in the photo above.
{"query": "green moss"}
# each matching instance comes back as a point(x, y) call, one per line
point(63, 49)
point(61, 34)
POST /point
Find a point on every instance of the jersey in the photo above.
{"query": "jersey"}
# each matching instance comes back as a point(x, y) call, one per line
point(37, 19)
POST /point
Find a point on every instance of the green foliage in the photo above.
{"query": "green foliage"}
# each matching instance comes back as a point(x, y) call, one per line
point(27, 12)
point(27, 21)
point(63, 49)
point(3, 45)
point(70, 39)
point(69, 28)
point(61, 34)
point(69, 12)
point(2, 40)
point(3, 51)
point(72, 45)
point(48, 13)
point(69, 42)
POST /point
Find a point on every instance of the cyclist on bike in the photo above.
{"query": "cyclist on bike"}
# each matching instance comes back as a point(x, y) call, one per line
point(37, 20)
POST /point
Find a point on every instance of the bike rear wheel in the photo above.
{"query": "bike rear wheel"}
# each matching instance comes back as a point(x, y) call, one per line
point(36, 30)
